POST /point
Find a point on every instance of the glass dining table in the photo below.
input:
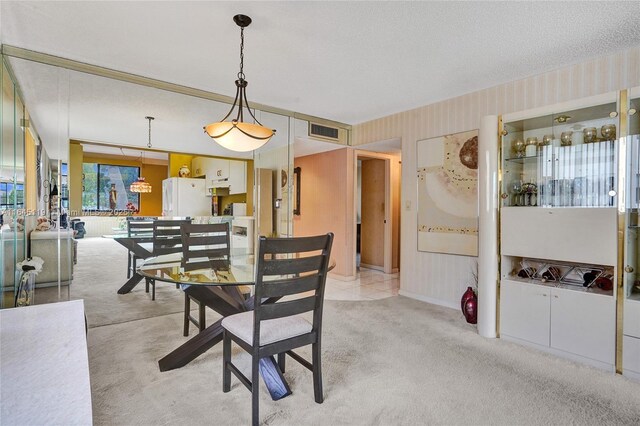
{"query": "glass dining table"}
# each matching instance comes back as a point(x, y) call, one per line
point(216, 282)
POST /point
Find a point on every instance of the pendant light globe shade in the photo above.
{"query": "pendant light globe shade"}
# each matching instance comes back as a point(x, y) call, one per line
point(238, 136)
point(140, 186)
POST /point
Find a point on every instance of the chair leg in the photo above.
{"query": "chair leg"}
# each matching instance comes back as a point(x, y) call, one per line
point(128, 265)
point(226, 359)
point(187, 309)
point(201, 317)
point(281, 361)
point(255, 386)
point(153, 289)
point(317, 373)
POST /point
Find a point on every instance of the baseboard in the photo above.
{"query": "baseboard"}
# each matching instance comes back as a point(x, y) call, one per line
point(562, 354)
point(342, 277)
point(374, 267)
point(631, 374)
point(429, 299)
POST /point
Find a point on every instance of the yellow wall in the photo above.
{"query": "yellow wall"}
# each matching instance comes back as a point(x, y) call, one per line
point(178, 160)
point(75, 179)
point(150, 204)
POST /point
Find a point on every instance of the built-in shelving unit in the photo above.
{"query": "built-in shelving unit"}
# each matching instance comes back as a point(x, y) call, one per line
point(558, 228)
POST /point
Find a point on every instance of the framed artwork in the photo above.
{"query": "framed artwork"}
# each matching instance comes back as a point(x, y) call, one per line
point(448, 194)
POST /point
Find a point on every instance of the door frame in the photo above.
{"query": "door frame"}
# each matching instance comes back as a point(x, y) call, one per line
point(388, 199)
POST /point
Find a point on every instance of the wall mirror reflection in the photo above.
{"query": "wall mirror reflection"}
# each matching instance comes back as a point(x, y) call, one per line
point(73, 145)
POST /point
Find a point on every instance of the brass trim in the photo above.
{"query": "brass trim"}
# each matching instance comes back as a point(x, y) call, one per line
point(622, 183)
point(501, 132)
point(47, 59)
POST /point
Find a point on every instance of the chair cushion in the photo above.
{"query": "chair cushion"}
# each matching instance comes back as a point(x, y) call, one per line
point(273, 330)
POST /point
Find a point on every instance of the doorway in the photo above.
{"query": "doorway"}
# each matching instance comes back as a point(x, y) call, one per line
point(372, 213)
point(377, 211)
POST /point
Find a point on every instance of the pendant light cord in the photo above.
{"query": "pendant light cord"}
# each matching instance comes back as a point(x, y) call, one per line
point(149, 144)
point(241, 73)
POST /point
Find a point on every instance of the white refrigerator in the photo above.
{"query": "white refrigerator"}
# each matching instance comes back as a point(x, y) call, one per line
point(185, 197)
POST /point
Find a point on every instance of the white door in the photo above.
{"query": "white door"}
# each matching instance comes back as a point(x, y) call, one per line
point(525, 311)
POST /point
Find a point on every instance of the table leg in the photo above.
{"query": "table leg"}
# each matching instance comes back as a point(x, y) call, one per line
point(212, 335)
point(273, 378)
point(130, 284)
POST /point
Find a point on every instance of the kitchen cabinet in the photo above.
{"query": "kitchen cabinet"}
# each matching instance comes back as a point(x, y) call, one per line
point(237, 177)
point(221, 173)
point(217, 169)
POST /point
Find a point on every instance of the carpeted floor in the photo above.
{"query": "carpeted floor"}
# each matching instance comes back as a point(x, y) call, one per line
point(385, 362)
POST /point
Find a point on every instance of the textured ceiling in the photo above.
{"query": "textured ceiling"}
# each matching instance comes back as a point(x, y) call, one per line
point(347, 61)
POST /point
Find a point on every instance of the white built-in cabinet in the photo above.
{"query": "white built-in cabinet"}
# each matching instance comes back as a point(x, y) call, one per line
point(558, 228)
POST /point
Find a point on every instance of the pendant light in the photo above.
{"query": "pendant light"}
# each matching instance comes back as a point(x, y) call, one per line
point(236, 135)
point(140, 186)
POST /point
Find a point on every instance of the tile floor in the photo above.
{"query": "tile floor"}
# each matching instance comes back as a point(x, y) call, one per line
point(370, 285)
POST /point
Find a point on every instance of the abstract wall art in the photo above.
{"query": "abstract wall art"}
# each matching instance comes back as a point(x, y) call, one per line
point(448, 194)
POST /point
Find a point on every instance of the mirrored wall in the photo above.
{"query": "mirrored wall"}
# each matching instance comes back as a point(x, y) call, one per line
point(70, 138)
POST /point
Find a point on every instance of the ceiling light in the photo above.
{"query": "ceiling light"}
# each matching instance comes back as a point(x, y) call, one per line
point(237, 135)
point(140, 186)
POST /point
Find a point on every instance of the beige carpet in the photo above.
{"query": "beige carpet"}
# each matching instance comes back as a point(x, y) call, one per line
point(395, 361)
point(101, 270)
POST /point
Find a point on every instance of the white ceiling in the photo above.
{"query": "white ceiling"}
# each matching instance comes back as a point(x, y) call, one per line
point(347, 61)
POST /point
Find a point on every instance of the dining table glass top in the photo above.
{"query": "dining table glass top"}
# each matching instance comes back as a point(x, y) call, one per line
point(237, 269)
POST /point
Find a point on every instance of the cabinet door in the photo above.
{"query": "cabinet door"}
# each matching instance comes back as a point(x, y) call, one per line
point(217, 169)
point(198, 167)
point(583, 324)
point(237, 177)
point(525, 311)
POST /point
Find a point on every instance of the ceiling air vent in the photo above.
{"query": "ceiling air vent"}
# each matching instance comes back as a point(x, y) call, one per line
point(323, 132)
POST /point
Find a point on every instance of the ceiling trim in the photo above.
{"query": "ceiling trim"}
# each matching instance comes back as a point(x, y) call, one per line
point(47, 59)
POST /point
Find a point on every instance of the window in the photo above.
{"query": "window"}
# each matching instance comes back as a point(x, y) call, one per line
point(98, 181)
point(64, 184)
point(11, 195)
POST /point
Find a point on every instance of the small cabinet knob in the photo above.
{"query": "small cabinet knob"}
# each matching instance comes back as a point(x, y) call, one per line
point(628, 268)
point(504, 196)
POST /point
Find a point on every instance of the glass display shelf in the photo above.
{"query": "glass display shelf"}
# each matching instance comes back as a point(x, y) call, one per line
point(565, 159)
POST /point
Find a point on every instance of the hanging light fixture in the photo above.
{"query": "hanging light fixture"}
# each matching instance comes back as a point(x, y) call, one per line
point(237, 135)
point(140, 186)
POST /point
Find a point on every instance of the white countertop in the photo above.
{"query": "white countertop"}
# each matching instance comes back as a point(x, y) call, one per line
point(44, 367)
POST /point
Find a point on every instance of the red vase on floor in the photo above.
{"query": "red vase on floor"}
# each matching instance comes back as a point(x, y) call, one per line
point(466, 296)
point(471, 310)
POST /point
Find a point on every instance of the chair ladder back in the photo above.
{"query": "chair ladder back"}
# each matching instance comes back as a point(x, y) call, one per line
point(167, 237)
point(205, 241)
point(295, 274)
point(139, 227)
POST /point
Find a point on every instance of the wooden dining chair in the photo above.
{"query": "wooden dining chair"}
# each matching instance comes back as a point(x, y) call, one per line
point(137, 228)
point(285, 267)
point(200, 244)
point(166, 239)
